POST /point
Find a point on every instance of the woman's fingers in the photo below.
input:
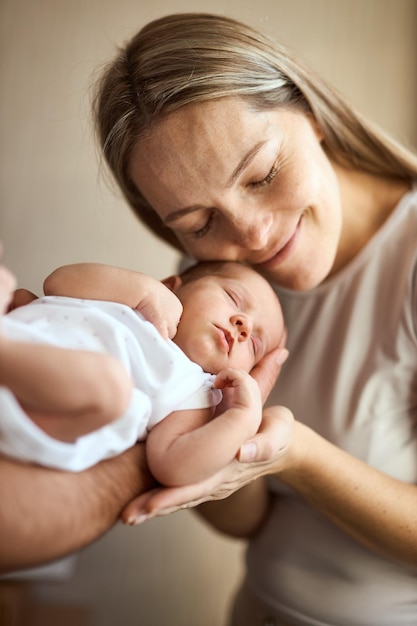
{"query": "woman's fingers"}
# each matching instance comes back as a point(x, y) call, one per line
point(163, 501)
point(267, 371)
point(263, 456)
point(273, 438)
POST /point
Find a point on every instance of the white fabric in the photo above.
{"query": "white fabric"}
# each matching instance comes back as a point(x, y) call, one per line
point(351, 376)
point(164, 379)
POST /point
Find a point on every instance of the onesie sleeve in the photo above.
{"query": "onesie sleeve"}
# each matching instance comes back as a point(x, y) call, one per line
point(199, 393)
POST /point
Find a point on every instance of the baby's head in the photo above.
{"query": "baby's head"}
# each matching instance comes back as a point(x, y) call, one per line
point(231, 318)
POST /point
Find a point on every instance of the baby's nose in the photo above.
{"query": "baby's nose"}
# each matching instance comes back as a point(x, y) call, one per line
point(244, 326)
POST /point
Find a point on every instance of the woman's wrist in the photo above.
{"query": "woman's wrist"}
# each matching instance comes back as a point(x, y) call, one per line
point(295, 463)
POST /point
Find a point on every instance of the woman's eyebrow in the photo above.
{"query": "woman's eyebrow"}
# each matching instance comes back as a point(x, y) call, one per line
point(244, 162)
point(176, 215)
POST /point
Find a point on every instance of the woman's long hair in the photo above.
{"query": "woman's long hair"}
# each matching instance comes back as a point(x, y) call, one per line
point(195, 57)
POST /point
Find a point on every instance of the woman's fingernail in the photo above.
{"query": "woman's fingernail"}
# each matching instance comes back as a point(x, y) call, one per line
point(134, 520)
point(247, 452)
point(282, 356)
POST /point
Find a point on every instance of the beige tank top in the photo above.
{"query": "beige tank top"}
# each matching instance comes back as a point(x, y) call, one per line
point(351, 376)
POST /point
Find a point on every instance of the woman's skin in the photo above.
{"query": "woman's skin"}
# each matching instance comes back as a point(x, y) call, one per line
point(304, 218)
point(262, 190)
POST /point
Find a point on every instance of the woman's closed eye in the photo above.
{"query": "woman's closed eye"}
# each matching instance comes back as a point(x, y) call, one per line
point(204, 230)
point(268, 178)
point(257, 184)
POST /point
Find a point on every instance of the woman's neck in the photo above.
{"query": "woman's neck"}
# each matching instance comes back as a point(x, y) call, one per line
point(367, 202)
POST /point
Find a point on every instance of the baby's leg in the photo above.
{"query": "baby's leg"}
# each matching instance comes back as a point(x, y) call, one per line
point(67, 393)
point(93, 390)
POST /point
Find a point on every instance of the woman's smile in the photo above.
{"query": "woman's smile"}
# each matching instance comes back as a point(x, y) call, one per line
point(260, 190)
point(281, 252)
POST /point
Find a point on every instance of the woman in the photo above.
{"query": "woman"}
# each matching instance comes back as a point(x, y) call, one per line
point(228, 148)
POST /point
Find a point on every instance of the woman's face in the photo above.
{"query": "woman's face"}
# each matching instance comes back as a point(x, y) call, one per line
point(242, 185)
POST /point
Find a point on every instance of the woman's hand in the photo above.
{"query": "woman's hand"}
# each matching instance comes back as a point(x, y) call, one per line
point(266, 372)
point(259, 456)
point(264, 454)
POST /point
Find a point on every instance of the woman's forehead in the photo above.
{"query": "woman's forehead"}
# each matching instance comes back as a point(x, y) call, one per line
point(225, 128)
point(191, 156)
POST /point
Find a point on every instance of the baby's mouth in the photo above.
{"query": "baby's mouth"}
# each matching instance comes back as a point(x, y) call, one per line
point(226, 339)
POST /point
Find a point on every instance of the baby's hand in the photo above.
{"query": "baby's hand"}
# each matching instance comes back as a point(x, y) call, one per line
point(240, 391)
point(162, 308)
point(267, 455)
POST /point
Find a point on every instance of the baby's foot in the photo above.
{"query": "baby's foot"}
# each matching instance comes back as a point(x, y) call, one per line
point(7, 286)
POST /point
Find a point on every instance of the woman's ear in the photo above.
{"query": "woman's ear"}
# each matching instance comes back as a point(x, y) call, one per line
point(316, 127)
point(173, 282)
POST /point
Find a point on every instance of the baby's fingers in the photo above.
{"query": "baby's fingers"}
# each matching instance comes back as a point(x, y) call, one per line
point(230, 377)
point(165, 324)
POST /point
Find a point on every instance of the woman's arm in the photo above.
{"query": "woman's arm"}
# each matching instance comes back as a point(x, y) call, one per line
point(372, 507)
point(375, 509)
point(242, 514)
point(247, 498)
point(97, 281)
point(237, 481)
point(47, 514)
point(378, 511)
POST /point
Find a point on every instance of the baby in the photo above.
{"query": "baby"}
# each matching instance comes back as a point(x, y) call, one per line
point(84, 379)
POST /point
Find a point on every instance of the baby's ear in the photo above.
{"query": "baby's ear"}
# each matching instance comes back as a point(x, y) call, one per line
point(173, 282)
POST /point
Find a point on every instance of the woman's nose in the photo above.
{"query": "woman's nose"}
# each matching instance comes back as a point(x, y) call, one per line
point(243, 325)
point(252, 231)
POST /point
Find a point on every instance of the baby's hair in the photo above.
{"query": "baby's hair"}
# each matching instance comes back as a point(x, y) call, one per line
point(209, 268)
point(218, 268)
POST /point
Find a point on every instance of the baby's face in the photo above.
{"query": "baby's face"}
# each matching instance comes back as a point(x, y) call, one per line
point(231, 319)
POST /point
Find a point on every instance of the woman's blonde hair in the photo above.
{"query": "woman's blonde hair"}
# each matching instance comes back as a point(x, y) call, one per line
point(195, 57)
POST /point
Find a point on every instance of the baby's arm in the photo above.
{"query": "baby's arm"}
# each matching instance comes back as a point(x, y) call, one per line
point(67, 393)
point(51, 382)
point(189, 446)
point(96, 281)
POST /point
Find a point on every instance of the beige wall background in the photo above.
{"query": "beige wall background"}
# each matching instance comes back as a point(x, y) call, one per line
point(57, 208)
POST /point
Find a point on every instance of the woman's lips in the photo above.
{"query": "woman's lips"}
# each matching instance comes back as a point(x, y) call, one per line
point(283, 252)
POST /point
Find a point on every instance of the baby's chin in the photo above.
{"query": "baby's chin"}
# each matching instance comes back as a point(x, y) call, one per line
point(212, 367)
point(211, 364)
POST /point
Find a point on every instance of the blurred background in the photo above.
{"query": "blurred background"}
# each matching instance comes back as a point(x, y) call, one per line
point(58, 207)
